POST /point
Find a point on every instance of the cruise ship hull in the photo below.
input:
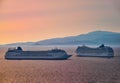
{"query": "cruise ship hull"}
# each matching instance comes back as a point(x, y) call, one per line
point(38, 58)
point(97, 55)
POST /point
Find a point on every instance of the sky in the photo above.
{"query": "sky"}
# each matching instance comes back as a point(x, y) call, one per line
point(35, 20)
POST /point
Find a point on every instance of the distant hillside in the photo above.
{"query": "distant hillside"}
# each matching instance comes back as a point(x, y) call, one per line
point(92, 38)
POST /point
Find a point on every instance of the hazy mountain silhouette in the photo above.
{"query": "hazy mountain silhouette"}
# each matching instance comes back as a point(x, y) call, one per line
point(92, 38)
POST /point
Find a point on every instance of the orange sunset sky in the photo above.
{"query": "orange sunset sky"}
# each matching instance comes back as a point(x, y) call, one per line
point(34, 20)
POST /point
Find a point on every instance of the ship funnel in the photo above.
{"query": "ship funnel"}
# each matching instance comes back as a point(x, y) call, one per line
point(19, 48)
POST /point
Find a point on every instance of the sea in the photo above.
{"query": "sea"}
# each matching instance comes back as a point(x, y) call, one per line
point(74, 70)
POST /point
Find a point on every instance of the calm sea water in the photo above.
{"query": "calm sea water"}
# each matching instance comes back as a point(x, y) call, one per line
point(73, 70)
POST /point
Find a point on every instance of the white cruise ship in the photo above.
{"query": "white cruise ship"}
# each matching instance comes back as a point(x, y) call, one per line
point(19, 54)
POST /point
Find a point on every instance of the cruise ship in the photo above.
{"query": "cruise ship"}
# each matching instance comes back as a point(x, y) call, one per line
point(101, 51)
point(19, 54)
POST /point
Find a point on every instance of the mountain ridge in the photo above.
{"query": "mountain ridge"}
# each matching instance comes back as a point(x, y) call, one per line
point(91, 38)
